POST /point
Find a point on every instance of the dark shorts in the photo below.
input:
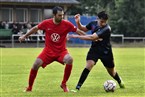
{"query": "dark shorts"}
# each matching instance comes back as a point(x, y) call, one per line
point(106, 57)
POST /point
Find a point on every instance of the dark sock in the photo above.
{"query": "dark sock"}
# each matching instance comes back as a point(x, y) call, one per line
point(117, 78)
point(82, 78)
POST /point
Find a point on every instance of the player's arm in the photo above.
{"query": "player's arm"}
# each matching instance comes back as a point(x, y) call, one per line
point(32, 31)
point(78, 23)
point(80, 32)
point(93, 37)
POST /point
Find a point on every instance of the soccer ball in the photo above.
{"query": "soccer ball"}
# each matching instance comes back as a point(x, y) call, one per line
point(109, 86)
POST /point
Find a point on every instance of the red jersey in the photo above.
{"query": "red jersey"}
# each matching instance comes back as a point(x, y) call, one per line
point(55, 34)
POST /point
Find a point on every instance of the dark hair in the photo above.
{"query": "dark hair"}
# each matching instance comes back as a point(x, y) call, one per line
point(103, 15)
point(55, 9)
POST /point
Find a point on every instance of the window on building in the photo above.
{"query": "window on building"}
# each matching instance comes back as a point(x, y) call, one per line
point(21, 15)
point(6, 14)
point(48, 13)
point(35, 15)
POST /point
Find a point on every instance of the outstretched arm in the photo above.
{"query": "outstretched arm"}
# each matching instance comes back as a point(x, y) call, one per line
point(93, 37)
point(80, 32)
point(32, 31)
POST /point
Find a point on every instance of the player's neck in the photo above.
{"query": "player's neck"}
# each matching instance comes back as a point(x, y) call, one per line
point(55, 22)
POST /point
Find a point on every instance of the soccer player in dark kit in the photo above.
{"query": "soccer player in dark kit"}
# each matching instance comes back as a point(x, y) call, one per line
point(100, 48)
point(56, 30)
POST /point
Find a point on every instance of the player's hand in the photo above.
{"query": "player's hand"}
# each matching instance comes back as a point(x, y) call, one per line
point(67, 37)
point(100, 39)
point(77, 17)
point(22, 38)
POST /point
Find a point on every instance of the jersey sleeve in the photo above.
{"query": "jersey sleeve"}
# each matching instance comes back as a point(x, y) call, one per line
point(102, 32)
point(72, 28)
point(88, 26)
point(42, 25)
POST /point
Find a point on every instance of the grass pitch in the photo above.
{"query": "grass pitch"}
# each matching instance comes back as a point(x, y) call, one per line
point(15, 64)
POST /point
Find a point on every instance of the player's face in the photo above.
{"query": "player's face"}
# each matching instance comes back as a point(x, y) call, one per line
point(102, 22)
point(59, 16)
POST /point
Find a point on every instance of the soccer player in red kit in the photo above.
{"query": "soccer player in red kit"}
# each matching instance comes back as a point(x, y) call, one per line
point(56, 30)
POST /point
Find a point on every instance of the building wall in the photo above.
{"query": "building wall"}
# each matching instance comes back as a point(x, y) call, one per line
point(25, 13)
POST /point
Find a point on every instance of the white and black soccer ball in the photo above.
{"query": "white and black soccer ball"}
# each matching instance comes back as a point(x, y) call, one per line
point(109, 86)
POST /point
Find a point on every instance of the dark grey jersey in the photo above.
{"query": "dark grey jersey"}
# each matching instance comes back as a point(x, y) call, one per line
point(102, 32)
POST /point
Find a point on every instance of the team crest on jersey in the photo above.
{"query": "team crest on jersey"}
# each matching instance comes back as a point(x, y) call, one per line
point(55, 37)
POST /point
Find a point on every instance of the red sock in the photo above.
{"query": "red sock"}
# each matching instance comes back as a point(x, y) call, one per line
point(67, 72)
point(32, 76)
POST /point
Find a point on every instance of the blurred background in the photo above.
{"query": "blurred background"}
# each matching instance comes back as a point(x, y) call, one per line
point(126, 18)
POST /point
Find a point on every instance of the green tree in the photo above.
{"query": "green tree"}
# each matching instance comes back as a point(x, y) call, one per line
point(91, 7)
point(126, 16)
point(129, 17)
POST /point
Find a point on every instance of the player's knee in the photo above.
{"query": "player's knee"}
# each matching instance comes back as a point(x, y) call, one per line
point(89, 66)
point(37, 64)
point(69, 60)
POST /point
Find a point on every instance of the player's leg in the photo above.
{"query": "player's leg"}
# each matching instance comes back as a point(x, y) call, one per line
point(91, 59)
point(85, 72)
point(33, 73)
point(110, 67)
point(68, 60)
point(65, 58)
point(116, 76)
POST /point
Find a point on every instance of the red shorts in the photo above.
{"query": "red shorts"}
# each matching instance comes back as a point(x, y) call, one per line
point(48, 56)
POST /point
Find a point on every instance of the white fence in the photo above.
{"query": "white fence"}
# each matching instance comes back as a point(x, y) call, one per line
point(33, 35)
point(123, 39)
point(37, 42)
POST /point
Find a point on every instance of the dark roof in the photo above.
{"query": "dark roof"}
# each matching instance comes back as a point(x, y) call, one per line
point(42, 1)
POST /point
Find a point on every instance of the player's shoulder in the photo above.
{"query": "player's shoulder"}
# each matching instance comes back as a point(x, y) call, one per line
point(66, 21)
point(47, 20)
point(108, 27)
point(93, 22)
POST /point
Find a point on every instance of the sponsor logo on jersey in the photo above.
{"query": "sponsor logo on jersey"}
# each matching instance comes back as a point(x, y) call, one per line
point(55, 37)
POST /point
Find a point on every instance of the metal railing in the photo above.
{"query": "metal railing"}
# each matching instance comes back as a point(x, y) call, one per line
point(123, 39)
point(33, 35)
